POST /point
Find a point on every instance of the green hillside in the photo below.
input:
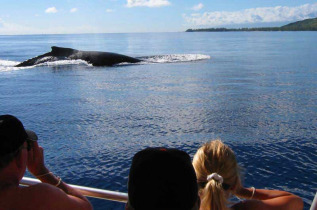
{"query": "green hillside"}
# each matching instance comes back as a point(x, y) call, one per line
point(304, 25)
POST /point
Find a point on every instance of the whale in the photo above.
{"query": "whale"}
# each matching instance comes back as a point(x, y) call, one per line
point(95, 58)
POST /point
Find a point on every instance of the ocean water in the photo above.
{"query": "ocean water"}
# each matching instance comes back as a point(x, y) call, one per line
point(257, 91)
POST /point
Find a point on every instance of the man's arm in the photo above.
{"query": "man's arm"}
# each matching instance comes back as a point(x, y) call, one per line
point(59, 190)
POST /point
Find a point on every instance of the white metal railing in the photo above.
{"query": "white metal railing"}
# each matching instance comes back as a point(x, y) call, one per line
point(110, 195)
point(86, 191)
point(314, 203)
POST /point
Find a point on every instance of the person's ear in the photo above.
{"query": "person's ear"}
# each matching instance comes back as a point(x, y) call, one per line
point(19, 160)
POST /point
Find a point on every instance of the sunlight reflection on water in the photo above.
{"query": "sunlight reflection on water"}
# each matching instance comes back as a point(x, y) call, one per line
point(91, 121)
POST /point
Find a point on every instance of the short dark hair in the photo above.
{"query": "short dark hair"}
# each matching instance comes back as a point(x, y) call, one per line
point(12, 137)
point(162, 178)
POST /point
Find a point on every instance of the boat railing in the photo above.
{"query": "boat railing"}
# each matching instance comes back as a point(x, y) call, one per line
point(86, 191)
point(110, 195)
point(314, 203)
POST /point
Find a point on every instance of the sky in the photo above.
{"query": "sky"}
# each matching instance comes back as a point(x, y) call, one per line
point(139, 16)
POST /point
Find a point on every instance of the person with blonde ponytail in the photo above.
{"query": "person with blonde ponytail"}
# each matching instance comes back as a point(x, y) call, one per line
point(218, 177)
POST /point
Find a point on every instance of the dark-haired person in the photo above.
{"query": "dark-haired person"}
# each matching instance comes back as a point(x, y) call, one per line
point(218, 176)
point(162, 179)
point(19, 150)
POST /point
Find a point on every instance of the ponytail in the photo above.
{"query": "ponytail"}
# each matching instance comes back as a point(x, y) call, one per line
point(217, 174)
point(213, 196)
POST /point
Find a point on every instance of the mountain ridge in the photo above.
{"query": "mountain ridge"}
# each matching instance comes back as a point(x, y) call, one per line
point(303, 25)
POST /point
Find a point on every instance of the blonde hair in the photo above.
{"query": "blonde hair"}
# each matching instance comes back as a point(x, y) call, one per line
point(216, 157)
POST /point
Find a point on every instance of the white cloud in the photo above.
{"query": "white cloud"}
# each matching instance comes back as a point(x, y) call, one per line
point(73, 10)
point(253, 15)
point(51, 10)
point(147, 3)
point(198, 7)
point(7, 28)
point(109, 10)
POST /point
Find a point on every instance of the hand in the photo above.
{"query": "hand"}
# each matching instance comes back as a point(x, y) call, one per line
point(239, 191)
point(35, 162)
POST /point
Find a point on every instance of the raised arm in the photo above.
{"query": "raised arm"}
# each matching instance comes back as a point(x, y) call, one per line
point(64, 196)
point(262, 199)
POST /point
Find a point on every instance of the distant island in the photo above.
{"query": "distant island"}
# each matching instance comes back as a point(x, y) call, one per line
point(304, 25)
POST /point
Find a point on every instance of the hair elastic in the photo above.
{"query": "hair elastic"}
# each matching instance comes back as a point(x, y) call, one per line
point(59, 181)
point(253, 192)
point(215, 177)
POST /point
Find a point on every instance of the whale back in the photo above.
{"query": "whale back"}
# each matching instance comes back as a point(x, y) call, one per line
point(93, 57)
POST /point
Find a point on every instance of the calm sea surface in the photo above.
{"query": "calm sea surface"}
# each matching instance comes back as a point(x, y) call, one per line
point(257, 92)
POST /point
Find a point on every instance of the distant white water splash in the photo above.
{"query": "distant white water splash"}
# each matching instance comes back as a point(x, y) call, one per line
point(6, 65)
point(174, 58)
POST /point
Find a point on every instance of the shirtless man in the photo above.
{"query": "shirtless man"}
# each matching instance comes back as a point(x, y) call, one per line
point(18, 151)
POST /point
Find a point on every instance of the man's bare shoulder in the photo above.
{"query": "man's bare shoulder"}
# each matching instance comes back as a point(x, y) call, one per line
point(39, 196)
point(41, 191)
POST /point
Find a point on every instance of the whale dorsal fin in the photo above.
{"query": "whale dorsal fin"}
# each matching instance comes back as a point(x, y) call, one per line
point(61, 51)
